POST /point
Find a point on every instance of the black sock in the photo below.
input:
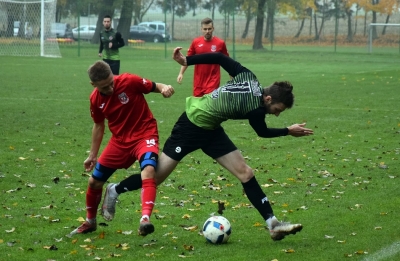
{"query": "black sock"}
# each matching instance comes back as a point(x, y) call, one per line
point(133, 182)
point(258, 198)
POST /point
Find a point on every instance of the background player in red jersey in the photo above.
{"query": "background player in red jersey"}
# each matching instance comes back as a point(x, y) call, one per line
point(120, 99)
point(206, 76)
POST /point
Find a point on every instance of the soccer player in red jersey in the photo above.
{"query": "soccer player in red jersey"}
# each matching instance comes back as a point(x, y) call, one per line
point(206, 76)
point(120, 100)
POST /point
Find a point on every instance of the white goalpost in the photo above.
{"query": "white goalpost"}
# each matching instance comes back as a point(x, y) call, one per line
point(370, 33)
point(25, 28)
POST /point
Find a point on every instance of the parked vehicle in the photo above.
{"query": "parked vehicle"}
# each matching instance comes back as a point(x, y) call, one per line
point(85, 32)
point(141, 32)
point(61, 30)
point(159, 26)
point(27, 29)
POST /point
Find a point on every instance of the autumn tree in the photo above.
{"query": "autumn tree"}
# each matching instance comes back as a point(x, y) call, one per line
point(176, 7)
point(125, 19)
point(249, 9)
point(257, 42)
point(212, 6)
point(140, 8)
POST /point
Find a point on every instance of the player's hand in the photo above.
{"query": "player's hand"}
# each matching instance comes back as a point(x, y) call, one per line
point(179, 78)
point(167, 91)
point(178, 56)
point(89, 164)
point(298, 130)
point(100, 54)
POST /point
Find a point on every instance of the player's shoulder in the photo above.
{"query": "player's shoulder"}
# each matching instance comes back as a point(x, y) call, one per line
point(198, 40)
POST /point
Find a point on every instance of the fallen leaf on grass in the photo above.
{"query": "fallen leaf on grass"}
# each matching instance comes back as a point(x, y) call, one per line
point(289, 251)
point(190, 228)
point(188, 247)
point(186, 216)
point(267, 185)
point(11, 230)
point(47, 207)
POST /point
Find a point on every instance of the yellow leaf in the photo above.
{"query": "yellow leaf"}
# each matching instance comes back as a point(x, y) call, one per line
point(81, 219)
point(258, 224)
point(186, 216)
point(101, 235)
point(188, 247)
point(289, 251)
point(73, 252)
point(11, 230)
point(12, 147)
point(192, 228)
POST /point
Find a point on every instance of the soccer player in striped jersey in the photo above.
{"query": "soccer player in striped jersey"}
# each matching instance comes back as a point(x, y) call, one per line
point(199, 127)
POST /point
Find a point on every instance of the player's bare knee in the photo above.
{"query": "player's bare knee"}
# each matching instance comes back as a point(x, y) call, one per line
point(245, 173)
point(94, 183)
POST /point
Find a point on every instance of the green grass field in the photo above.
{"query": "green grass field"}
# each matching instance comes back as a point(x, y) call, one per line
point(341, 183)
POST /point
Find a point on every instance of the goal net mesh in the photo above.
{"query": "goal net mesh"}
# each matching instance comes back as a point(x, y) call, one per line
point(21, 25)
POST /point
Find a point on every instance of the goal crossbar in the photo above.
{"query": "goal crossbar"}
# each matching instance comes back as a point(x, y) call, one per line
point(370, 26)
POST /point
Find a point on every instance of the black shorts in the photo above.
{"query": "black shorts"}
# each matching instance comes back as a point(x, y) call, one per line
point(187, 137)
point(114, 65)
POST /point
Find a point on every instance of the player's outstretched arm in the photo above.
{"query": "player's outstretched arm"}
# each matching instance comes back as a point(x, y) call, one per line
point(179, 57)
point(229, 65)
point(166, 90)
point(298, 130)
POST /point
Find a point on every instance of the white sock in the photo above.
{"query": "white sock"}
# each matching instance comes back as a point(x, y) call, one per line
point(91, 220)
point(145, 216)
point(270, 221)
point(113, 193)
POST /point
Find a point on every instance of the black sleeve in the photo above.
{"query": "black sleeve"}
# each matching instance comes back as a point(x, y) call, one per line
point(101, 45)
point(257, 122)
point(154, 87)
point(119, 41)
point(231, 66)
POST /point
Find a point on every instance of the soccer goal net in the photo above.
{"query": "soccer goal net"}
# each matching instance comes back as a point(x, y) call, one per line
point(391, 31)
point(25, 28)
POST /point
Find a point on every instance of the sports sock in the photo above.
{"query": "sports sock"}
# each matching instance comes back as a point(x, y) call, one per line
point(148, 196)
point(93, 198)
point(133, 182)
point(258, 198)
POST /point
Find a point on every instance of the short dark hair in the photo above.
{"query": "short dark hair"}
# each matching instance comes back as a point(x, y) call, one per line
point(99, 71)
point(280, 92)
point(107, 16)
point(207, 21)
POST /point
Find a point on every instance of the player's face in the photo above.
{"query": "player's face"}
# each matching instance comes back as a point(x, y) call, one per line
point(105, 86)
point(107, 23)
point(273, 108)
point(207, 30)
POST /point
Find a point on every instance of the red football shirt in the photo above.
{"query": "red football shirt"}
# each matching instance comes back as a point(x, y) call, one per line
point(126, 110)
point(206, 76)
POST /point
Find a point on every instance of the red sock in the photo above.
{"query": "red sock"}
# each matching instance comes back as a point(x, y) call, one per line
point(148, 196)
point(93, 198)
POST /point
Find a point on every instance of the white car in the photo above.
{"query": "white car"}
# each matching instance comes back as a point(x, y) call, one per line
point(84, 32)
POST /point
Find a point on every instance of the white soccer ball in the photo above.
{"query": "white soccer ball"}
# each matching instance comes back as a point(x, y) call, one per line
point(217, 230)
